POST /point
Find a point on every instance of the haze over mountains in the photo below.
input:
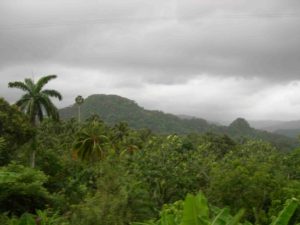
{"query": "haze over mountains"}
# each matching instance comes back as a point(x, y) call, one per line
point(113, 109)
point(287, 128)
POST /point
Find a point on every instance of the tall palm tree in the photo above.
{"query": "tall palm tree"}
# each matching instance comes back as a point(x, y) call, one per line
point(36, 102)
point(79, 101)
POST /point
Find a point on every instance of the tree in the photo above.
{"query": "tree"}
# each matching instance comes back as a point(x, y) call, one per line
point(79, 101)
point(15, 130)
point(91, 142)
point(22, 189)
point(250, 177)
point(36, 101)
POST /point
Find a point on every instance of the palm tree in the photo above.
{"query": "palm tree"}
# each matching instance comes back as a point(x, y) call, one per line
point(91, 143)
point(36, 102)
point(120, 132)
point(79, 101)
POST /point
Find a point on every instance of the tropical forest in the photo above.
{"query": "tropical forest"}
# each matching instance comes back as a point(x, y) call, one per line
point(107, 161)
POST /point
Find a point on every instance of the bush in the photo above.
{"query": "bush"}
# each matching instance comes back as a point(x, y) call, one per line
point(21, 189)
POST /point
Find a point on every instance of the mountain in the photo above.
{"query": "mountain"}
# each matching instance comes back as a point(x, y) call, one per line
point(113, 109)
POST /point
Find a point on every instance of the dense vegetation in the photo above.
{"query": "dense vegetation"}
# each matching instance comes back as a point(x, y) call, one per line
point(94, 172)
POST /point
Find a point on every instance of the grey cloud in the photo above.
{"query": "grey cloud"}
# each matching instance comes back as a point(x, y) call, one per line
point(163, 42)
point(136, 47)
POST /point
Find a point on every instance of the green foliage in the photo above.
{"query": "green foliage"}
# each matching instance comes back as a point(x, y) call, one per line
point(285, 215)
point(49, 218)
point(293, 164)
point(2, 143)
point(25, 219)
point(194, 210)
point(168, 170)
point(14, 129)
point(117, 199)
point(91, 143)
point(41, 218)
point(21, 189)
point(249, 177)
point(127, 175)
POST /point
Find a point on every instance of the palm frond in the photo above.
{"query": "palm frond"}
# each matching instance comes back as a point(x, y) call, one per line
point(19, 85)
point(52, 93)
point(42, 81)
point(30, 84)
point(49, 107)
point(23, 100)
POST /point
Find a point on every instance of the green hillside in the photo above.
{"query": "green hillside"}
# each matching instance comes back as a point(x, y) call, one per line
point(113, 109)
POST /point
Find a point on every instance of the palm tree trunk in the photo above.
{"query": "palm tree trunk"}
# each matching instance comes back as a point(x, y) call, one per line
point(32, 160)
point(33, 143)
point(33, 152)
point(79, 114)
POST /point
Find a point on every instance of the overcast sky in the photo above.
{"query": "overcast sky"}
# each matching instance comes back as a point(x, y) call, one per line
point(215, 59)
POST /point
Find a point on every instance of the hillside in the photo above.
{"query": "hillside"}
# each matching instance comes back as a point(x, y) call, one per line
point(113, 109)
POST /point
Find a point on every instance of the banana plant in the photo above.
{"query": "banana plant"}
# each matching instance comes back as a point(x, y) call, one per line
point(288, 211)
point(194, 210)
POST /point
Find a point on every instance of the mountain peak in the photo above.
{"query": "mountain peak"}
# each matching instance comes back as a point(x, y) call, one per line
point(240, 124)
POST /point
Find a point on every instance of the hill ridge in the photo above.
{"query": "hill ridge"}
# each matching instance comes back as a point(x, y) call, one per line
point(114, 108)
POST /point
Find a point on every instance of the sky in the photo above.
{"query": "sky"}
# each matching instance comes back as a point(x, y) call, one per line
point(214, 59)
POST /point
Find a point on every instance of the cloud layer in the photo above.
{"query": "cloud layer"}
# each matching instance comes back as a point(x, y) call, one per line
point(211, 58)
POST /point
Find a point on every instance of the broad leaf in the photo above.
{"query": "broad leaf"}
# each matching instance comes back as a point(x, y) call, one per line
point(287, 212)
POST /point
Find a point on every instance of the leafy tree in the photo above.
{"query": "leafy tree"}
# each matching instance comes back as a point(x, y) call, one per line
point(293, 164)
point(21, 189)
point(15, 129)
point(118, 199)
point(251, 176)
point(168, 170)
point(36, 101)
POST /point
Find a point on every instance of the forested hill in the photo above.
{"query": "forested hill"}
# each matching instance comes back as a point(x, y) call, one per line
point(113, 109)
